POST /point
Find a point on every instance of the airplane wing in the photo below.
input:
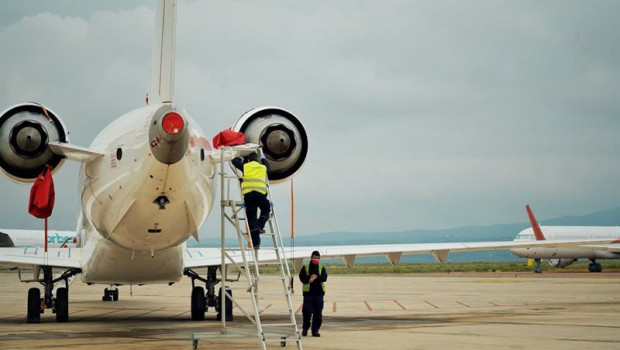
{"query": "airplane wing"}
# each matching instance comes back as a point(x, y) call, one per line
point(203, 257)
point(29, 256)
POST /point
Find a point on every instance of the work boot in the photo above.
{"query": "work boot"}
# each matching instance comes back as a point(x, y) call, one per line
point(317, 334)
point(261, 231)
point(304, 332)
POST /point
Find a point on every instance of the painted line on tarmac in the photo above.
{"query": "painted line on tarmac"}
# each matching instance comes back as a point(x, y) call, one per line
point(431, 304)
point(458, 302)
point(334, 307)
point(367, 305)
point(102, 314)
point(299, 309)
point(399, 304)
point(142, 314)
point(263, 310)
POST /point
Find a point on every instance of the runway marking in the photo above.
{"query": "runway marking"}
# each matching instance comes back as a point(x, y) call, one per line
point(144, 313)
point(429, 303)
point(181, 314)
point(266, 307)
point(367, 305)
point(299, 309)
point(494, 304)
point(103, 314)
point(334, 307)
point(399, 304)
point(458, 302)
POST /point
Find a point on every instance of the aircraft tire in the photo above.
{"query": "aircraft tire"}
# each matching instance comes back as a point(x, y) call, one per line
point(229, 306)
point(34, 306)
point(198, 304)
point(62, 305)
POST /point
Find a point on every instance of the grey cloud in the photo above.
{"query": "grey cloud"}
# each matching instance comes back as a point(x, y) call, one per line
point(420, 114)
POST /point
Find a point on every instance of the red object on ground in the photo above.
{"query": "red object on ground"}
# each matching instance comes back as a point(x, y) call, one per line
point(42, 195)
point(228, 138)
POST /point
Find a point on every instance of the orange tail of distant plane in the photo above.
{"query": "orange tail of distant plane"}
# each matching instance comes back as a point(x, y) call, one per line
point(537, 231)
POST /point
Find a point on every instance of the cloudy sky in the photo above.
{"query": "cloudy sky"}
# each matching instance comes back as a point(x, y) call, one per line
point(420, 114)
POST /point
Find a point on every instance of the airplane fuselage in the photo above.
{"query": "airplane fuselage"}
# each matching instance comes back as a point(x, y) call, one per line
point(568, 233)
point(137, 210)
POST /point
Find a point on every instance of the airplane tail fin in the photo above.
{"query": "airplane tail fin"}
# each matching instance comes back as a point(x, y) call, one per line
point(537, 231)
point(162, 74)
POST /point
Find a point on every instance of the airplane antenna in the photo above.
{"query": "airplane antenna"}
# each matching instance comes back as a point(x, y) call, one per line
point(162, 73)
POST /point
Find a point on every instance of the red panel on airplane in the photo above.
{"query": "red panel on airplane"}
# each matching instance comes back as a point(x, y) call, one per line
point(172, 123)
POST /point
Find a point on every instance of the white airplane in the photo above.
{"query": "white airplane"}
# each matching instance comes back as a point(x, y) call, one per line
point(147, 183)
point(562, 257)
point(36, 238)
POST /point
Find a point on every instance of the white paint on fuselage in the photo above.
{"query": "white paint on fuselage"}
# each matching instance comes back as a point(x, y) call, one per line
point(552, 233)
point(117, 197)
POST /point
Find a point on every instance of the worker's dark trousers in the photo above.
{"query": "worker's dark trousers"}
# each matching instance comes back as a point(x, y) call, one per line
point(313, 307)
point(253, 201)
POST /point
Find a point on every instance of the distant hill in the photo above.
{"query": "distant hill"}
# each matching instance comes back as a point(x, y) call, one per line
point(500, 232)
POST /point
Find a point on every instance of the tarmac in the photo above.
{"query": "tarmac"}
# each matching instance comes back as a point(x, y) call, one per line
point(440, 311)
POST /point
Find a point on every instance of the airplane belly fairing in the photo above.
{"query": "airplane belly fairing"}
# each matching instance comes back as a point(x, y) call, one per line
point(110, 264)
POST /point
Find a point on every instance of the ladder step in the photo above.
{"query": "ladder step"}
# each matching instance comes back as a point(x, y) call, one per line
point(269, 249)
point(270, 293)
point(278, 325)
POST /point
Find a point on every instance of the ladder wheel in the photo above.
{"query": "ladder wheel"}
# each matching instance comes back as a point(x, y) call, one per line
point(283, 342)
point(195, 344)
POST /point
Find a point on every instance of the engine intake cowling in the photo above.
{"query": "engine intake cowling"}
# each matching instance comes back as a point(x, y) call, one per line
point(281, 136)
point(561, 262)
point(25, 131)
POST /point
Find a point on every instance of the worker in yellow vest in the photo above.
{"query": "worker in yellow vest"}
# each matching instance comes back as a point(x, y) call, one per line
point(313, 276)
point(254, 189)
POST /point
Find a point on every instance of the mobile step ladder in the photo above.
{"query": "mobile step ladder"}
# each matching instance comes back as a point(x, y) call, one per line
point(246, 259)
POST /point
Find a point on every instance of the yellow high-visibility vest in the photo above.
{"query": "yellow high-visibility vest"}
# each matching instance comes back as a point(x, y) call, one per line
point(306, 286)
point(254, 178)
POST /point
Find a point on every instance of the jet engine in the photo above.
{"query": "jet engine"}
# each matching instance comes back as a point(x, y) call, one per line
point(561, 262)
point(25, 131)
point(281, 136)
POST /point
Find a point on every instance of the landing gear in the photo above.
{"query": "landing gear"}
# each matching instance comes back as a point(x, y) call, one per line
point(110, 294)
point(228, 306)
point(62, 305)
point(594, 266)
point(59, 303)
point(538, 268)
point(34, 306)
point(200, 302)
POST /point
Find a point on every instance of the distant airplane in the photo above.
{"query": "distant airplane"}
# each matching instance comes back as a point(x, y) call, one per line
point(36, 238)
point(562, 257)
point(147, 183)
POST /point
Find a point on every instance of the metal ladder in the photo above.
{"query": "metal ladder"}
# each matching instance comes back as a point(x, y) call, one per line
point(246, 260)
